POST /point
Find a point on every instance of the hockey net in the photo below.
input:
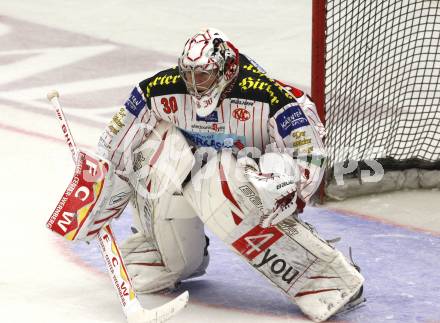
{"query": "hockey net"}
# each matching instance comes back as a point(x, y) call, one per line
point(375, 72)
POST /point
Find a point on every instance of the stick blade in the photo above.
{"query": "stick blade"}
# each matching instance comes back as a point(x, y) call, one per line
point(162, 313)
point(52, 94)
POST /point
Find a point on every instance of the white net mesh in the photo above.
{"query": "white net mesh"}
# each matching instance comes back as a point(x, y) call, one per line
point(382, 74)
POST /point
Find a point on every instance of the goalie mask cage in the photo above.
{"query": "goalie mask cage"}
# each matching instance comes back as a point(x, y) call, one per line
point(375, 81)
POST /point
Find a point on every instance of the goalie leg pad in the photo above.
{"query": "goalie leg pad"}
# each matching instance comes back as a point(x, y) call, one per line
point(164, 220)
point(161, 163)
point(182, 241)
point(312, 273)
point(144, 264)
point(168, 248)
point(330, 281)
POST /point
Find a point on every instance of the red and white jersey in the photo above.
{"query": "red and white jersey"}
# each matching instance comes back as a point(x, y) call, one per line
point(256, 112)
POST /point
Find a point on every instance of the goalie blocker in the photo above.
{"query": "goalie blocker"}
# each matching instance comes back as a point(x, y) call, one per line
point(93, 198)
point(313, 274)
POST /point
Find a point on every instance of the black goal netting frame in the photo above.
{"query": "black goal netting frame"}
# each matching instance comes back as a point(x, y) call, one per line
point(376, 82)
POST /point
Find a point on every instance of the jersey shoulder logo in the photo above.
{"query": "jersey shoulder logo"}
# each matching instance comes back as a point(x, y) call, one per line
point(166, 82)
point(135, 102)
point(289, 119)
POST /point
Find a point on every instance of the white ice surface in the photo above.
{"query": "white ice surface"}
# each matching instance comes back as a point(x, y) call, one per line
point(40, 282)
point(277, 33)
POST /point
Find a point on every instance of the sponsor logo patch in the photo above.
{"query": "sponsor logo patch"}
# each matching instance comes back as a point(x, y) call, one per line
point(288, 226)
point(253, 197)
point(135, 102)
point(115, 199)
point(277, 269)
point(214, 140)
point(290, 119)
point(163, 80)
point(256, 241)
point(117, 122)
point(212, 117)
point(242, 102)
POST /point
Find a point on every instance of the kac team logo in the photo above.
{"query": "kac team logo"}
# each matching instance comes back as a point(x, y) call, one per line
point(241, 114)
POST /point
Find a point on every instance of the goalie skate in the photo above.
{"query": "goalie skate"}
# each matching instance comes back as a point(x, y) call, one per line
point(357, 300)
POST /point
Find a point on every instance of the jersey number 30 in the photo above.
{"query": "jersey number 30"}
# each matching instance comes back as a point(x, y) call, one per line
point(169, 105)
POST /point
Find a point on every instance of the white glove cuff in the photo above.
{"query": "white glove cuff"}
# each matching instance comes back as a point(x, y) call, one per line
point(279, 163)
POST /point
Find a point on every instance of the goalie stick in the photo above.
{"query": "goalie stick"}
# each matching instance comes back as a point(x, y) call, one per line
point(131, 306)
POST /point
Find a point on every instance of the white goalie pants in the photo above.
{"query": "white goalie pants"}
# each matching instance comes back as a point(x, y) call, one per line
point(169, 244)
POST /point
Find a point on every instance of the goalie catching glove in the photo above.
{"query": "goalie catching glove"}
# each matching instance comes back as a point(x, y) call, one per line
point(275, 185)
point(93, 198)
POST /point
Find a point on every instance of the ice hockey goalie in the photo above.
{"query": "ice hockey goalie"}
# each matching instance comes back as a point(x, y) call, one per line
point(215, 142)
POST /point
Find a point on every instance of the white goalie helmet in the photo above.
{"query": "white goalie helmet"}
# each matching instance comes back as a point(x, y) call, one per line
point(208, 64)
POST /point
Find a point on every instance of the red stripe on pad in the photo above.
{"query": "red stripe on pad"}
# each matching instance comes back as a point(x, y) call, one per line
point(236, 218)
point(152, 264)
point(159, 150)
point(144, 251)
point(225, 187)
point(93, 232)
point(316, 292)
